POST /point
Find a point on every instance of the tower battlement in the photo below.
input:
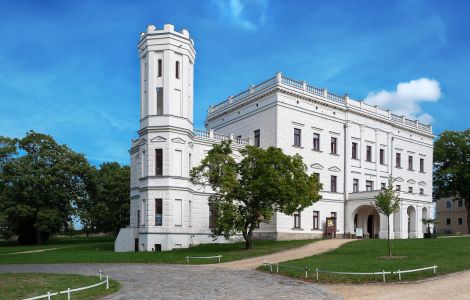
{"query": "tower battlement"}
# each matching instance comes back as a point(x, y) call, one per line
point(167, 28)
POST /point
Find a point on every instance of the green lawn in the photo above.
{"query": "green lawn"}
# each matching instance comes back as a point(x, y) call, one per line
point(20, 285)
point(100, 250)
point(450, 255)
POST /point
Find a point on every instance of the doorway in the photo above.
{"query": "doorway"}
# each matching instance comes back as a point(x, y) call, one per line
point(370, 226)
point(136, 245)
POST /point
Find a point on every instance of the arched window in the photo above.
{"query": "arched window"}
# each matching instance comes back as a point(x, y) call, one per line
point(177, 70)
point(159, 68)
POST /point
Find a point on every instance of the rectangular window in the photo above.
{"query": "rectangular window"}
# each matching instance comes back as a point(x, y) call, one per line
point(297, 220)
point(449, 204)
point(368, 153)
point(333, 183)
point(383, 186)
point(158, 162)
point(138, 218)
point(382, 156)
point(158, 212)
point(460, 221)
point(178, 163)
point(297, 137)
point(355, 185)
point(316, 141)
point(159, 68)
point(333, 215)
point(333, 145)
point(447, 221)
point(410, 189)
point(460, 203)
point(421, 191)
point(410, 163)
point(421, 164)
point(398, 160)
point(212, 217)
point(144, 213)
point(354, 151)
point(178, 212)
point(177, 70)
point(369, 185)
point(398, 187)
point(257, 138)
point(159, 101)
point(316, 216)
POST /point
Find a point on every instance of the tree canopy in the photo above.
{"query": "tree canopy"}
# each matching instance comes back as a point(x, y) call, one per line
point(452, 167)
point(44, 185)
point(251, 191)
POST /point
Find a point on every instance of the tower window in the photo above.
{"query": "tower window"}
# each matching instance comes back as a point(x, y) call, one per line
point(368, 153)
point(158, 162)
point(297, 138)
point(354, 151)
point(333, 145)
point(159, 101)
point(382, 156)
point(158, 212)
point(159, 72)
point(177, 69)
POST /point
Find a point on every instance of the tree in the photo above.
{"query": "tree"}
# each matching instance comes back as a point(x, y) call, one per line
point(428, 222)
point(8, 149)
point(40, 183)
point(387, 202)
point(249, 192)
point(452, 167)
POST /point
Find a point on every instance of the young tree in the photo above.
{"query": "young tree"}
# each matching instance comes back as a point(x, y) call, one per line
point(451, 176)
point(387, 202)
point(39, 186)
point(247, 193)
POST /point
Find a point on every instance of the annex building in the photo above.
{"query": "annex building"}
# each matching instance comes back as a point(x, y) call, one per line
point(351, 146)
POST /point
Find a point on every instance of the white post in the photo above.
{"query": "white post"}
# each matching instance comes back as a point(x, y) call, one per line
point(101, 276)
point(107, 282)
point(399, 275)
point(187, 259)
point(219, 257)
point(68, 293)
point(48, 295)
point(383, 274)
point(306, 272)
point(317, 273)
point(435, 267)
point(277, 268)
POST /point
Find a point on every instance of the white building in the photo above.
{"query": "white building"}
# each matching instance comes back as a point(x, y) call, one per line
point(351, 145)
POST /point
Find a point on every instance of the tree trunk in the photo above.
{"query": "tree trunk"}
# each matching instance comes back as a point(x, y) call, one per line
point(249, 239)
point(388, 236)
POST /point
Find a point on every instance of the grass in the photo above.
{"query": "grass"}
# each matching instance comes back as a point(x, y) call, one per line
point(450, 255)
point(22, 285)
point(101, 250)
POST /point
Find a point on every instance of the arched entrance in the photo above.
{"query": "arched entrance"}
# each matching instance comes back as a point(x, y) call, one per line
point(367, 218)
point(412, 228)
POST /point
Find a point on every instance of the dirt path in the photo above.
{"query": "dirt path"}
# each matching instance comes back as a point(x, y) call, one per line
point(449, 287)
point(314, 248)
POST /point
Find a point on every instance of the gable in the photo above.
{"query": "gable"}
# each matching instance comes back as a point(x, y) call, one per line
point(178, 140)
point(316, 166)
point(158, 139)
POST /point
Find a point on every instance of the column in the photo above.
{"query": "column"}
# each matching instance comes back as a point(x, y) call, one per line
point(384, 228)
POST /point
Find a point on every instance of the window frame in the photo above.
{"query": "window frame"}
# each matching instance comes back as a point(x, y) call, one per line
point(382, 156)
point(159, 162)
point(355, 185)
point(257, 138)
point(297, 220)
point(334, 145)
point(158, 206)
point(177, 69)
point(333, 184)
point(369, 185)
point(398, 160)
point(297, 137)
point(354, 150)
point(316, 219)
point(316, 141)
point(368, 153)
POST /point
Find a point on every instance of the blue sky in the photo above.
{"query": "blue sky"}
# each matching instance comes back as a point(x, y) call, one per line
point(70, 68)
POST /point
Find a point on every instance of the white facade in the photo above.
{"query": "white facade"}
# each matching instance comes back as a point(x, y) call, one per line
point(168, 212)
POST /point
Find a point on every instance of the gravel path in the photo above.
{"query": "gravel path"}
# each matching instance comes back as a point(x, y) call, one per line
point(455, 286)
point(150, 281)
point(315, 248)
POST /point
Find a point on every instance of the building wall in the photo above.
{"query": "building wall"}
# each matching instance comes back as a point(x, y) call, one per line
point(449, 213)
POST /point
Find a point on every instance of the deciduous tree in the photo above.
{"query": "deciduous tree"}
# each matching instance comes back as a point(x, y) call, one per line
point(251, 191)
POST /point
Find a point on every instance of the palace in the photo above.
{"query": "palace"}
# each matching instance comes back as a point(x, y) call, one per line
point(351, 146)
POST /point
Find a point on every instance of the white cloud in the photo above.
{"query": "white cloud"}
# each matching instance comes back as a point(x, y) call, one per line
point(406, 99)
point(248, 15)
